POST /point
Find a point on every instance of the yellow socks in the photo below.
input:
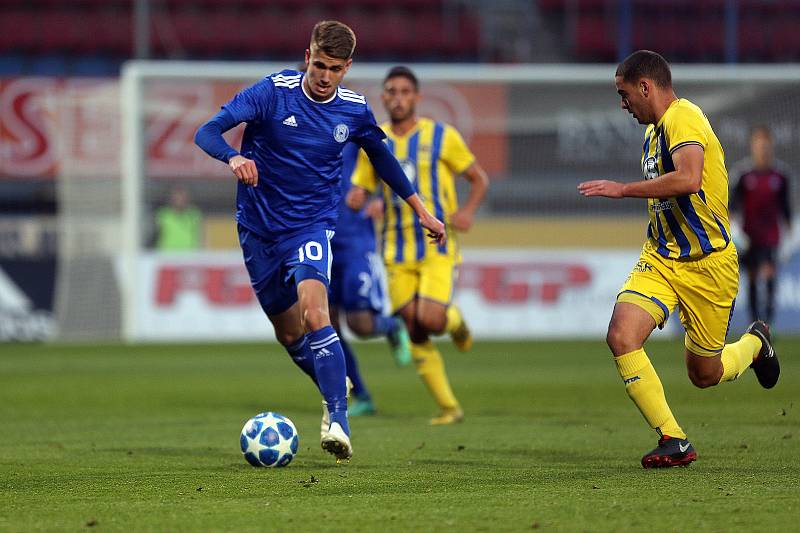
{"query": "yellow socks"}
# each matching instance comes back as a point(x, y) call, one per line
point(738, 356)
point(430, 368)
point(645, 389)
point(454, 319)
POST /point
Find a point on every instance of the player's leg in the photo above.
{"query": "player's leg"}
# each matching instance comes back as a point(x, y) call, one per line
point(278, 303)
point(307, 262)
point(360, 398)
point(435, 275)
point(438, 278)
point(643, 303)
point(363, 299)
point(429, 364)
point(630, 326)
point(329, 361)
point(370, 323)
point(290, 333)
point(707, 291)
point(768, 273)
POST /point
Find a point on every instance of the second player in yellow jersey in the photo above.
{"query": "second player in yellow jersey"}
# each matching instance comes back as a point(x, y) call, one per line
point(688, 261)
point(421, 276)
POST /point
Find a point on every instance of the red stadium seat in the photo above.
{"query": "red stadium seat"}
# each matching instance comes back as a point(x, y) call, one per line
point(19, 30)
point(595, 38)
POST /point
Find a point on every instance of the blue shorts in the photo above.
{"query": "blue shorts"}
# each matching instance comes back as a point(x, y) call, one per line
point(357, 281)
point(273, 264)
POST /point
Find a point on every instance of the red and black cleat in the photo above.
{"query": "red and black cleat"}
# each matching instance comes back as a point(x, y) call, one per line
point(766, 364)
point(670, 452)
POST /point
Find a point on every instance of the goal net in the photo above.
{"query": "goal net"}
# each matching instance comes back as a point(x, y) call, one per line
point(538, 131)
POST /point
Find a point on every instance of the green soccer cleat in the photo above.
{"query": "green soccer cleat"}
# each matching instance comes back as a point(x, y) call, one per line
point(400, 344)
point(361, 407)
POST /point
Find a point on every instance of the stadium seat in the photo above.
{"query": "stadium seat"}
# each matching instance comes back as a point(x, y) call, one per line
point(18, 31)
point(112, 33)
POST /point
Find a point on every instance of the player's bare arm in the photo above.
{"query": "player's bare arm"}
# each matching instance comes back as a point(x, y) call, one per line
point(244, 169)
point(687, 178)
point(434, 226)
point(462, 219)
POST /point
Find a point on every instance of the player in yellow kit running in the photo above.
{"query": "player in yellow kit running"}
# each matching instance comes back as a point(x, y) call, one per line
point(688, 260)
point(422, 277)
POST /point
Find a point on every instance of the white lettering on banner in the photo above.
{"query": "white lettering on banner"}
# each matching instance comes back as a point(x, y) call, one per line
point(503, 293)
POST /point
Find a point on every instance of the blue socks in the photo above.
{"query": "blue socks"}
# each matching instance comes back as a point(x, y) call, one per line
point(359, 389)
point(383, 325)
point(331, 371)
point(300, 353)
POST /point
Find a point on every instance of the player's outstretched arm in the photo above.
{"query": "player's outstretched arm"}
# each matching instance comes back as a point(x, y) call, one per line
point(687, 178)
point(435, 227)
point(392, 174)
point(209, 138)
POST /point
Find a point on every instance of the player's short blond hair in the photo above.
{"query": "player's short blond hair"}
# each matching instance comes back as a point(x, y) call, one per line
point(333, 38)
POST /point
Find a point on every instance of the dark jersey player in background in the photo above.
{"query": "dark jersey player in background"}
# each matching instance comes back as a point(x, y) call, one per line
point(287, 201)
point(761, 196)
point(357, 289)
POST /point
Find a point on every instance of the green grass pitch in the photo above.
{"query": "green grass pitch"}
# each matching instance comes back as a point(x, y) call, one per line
point(146, 438)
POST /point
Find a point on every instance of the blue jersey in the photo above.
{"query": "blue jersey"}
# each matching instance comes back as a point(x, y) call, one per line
point(353, 229)
point(296, 143)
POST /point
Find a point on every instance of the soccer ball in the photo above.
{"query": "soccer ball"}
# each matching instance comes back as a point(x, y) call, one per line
point(269, 439)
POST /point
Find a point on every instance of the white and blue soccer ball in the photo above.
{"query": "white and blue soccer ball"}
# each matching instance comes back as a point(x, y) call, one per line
point(269, 439)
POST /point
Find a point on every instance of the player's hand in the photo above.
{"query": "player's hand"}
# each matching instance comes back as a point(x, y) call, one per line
point(356, 197)
point(374, 209)
point(244, 169)
point(435, 228)
point(461, 220)
point(607, 188)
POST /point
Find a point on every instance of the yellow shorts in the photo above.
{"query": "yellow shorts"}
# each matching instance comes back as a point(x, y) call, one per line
point(432, 278)
point(703, 289)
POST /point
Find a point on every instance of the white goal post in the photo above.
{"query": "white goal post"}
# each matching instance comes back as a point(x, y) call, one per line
point(568, 92)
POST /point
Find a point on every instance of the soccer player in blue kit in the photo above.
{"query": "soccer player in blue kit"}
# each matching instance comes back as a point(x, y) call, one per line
point(289, 171)
point(357, 293)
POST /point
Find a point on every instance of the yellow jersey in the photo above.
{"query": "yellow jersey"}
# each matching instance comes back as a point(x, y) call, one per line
point(693, 225)
point(432, 154)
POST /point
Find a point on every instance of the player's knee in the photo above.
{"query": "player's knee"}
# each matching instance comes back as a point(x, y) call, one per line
point(703, 378)
point(288, 337)
point(620, 341)
point(360, 325)
point(433, 322)
point(315, 318)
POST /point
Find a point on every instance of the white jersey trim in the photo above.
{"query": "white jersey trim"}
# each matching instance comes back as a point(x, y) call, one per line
point(305, 92)
point(350, 96)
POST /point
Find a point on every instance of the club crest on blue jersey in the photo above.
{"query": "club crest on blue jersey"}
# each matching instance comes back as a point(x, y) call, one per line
point(341, 132)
